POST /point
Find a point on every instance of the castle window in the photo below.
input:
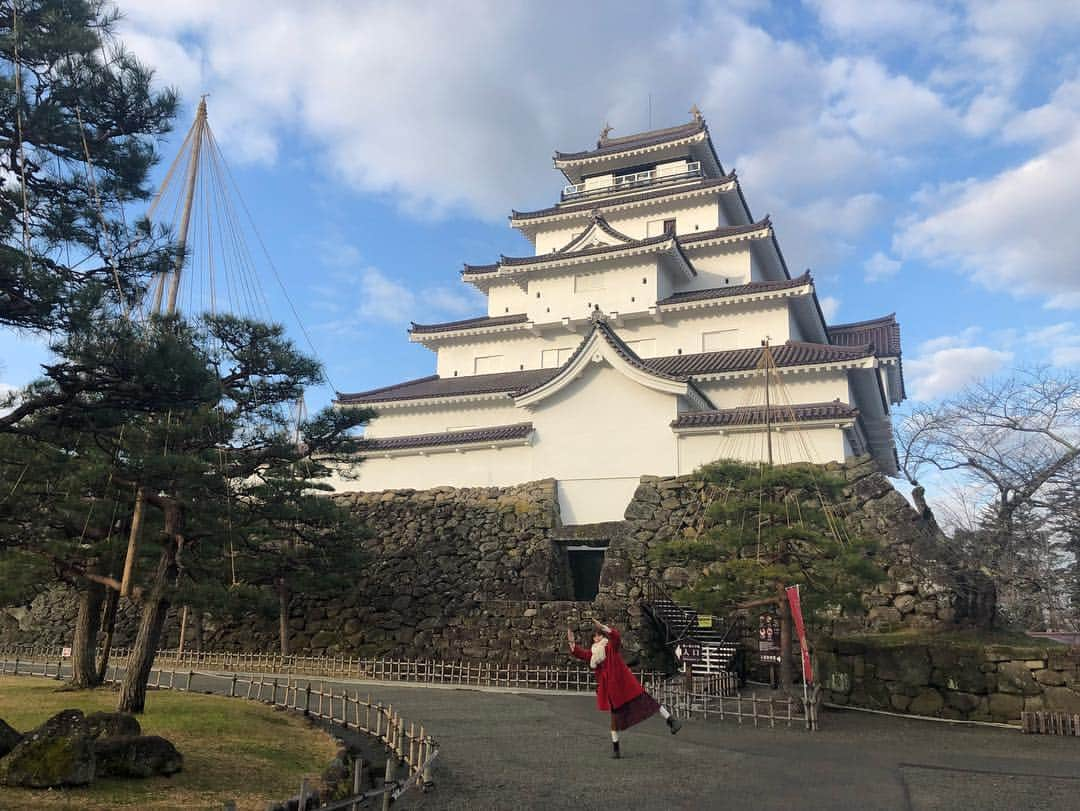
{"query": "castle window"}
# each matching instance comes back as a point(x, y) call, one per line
point(488, 364)
point(588, 282)
point(643, 347)
point(554, 358)
point(538, 294)
point(719, 340)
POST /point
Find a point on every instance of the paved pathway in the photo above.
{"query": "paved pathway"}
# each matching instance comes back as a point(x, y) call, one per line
point(503, 750)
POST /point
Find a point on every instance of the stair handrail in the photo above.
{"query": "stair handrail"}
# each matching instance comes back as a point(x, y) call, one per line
point(654, 588)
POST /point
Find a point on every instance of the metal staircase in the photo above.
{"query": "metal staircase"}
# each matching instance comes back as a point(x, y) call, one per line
point(682, 627)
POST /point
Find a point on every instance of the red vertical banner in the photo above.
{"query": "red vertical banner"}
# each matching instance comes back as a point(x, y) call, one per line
point(800, 628)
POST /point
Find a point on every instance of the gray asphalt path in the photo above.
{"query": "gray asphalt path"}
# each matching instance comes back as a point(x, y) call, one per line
point(504, 750)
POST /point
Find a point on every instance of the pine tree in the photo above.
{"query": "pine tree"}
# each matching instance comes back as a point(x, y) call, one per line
point(79, 120)
point(774, 527)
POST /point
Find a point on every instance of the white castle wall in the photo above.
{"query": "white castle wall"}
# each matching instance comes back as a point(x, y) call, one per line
point(597, 437)
point(686, 332)
point(799, 387)
point(810, 444)
point(431, 419)
point(689, 216)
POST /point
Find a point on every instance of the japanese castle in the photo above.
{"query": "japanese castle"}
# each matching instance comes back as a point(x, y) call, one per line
point(656, 327)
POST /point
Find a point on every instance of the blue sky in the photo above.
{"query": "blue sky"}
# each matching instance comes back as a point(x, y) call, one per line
point(919, 157)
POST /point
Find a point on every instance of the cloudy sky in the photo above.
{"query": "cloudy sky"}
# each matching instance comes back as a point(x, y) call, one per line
point(919, 157)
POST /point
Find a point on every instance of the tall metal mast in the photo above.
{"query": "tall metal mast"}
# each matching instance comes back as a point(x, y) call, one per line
point(197, 132)
point(196, 136)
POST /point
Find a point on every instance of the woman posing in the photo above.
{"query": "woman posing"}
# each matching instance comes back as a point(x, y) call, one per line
point(617, 691)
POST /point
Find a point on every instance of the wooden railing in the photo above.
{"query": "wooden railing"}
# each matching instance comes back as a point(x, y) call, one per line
point(511, 675)
point(702, 700)
point(408, 742)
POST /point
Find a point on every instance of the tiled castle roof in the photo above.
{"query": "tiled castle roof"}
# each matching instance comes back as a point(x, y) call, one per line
point(736, 290)
point(573, 208)
point(470, 323)
point(882, 333)
point(755, 415)
point(497, 433)
point(625, 143)
point(675, 367)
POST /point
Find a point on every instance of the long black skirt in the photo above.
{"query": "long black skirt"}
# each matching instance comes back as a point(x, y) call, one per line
point(635, 711)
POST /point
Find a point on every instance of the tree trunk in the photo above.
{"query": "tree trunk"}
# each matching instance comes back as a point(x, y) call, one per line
point(283, 615)
point(785, 638)
point(84, 647)
point(108, 625)
point(155, 607)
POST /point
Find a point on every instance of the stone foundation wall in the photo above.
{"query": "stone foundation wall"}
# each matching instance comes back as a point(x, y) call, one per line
point(482, 573)
point(925, 587)
point(992, 683)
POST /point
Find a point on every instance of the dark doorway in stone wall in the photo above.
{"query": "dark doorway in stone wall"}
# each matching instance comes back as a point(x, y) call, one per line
point(586, 563)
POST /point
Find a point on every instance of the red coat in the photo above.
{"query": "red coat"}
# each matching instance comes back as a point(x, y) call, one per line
point(615, 684)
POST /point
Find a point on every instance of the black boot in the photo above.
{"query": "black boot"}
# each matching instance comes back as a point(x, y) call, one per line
point(615, 749)
point(674, 724)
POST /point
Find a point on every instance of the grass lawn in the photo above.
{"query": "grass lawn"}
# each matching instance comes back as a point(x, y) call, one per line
point(232, 748)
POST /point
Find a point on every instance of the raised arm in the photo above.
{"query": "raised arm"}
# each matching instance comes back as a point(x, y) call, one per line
point(576, 650)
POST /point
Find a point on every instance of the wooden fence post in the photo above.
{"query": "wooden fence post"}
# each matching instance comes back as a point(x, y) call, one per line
point(388, 781)
point(357, 780)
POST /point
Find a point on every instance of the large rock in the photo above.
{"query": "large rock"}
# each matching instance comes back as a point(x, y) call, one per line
point(9, 737)
point(1016, 678)
point(136, 756)
point(112, 724)
point(57, 753)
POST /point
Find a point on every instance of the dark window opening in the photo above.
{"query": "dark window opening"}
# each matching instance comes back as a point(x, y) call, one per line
point(586, 563)
point(669, 226)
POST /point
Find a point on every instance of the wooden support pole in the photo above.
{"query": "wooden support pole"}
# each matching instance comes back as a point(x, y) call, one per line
point(133, 542)
point(183, 632)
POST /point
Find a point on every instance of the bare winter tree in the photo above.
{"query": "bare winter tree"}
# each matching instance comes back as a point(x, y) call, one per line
point(1015, 443)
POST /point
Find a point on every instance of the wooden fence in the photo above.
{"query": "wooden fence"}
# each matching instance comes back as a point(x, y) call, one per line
point(408, 742)
point(1047, 722)
point(417, 671)
point(701, 700)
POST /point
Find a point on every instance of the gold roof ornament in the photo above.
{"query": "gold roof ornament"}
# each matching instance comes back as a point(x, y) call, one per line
point(696, 113)
point(604, 133)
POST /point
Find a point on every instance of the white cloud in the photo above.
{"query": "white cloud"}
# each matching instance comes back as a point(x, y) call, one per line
point(885, 109)
point(467, 121)
point(1062, 341)
point(830, 306)
point(367, 295)
point(382, 299)
point(887, 20)
point(879, 267)
point(1057, 119)
point(946, 364)
point(1013, 232)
